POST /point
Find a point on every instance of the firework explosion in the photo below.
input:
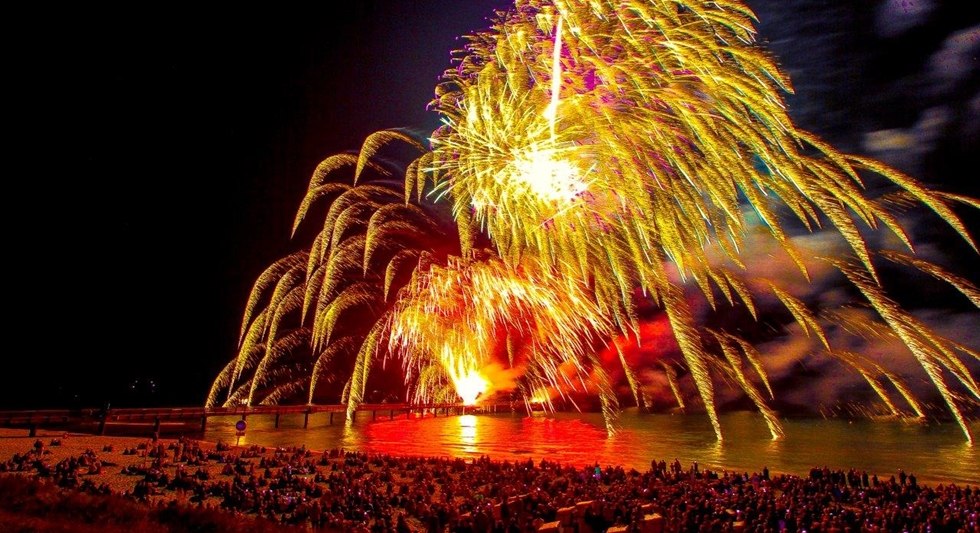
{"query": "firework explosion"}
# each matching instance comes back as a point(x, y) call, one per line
point(449, 319)
point(597, 157)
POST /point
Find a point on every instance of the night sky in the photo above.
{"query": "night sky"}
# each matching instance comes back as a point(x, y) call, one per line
point(159, 157)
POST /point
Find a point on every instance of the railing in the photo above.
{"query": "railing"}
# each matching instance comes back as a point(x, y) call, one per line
point(61, 417)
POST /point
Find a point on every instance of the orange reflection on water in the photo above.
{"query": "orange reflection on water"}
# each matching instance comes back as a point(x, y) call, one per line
point(467, 433)
point(565, 441)
point(580, 439)
point(536, 437)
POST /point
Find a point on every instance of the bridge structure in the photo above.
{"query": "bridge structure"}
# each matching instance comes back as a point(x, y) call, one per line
point(100, 418)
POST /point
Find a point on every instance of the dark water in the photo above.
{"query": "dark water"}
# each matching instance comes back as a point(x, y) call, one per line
point(933, 452)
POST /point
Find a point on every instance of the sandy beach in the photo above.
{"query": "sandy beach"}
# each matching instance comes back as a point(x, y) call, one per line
point(17, 441)
point(354, 491)
point(117, 454)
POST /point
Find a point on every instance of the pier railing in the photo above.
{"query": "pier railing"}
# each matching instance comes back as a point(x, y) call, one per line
point(33, 419)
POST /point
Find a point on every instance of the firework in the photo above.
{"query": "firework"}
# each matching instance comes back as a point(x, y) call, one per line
point(318, 315)
point(455, 314)
point(597, 157)
point(612, 138)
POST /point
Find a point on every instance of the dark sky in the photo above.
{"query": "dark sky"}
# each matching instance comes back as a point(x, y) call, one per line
point(159, 157)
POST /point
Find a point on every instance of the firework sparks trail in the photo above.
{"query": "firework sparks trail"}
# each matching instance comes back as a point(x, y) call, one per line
point(608, 153)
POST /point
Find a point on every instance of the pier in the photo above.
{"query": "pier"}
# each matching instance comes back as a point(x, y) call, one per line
point(100, 418)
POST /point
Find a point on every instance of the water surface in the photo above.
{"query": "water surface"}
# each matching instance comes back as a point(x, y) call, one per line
point(934, 452)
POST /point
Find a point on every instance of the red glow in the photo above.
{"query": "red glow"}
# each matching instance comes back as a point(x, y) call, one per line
point(655, 339)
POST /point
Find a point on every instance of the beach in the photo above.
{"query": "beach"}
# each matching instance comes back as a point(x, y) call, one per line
point(17, 441)
point(350, 490)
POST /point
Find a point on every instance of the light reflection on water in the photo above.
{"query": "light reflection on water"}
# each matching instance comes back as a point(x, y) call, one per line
point(934, 452)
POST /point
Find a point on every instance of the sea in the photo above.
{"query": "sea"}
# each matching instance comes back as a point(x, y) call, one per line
point(935, 452)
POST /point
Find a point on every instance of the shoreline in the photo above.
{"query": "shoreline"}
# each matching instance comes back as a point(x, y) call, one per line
point(261, 432)
point(14, 441)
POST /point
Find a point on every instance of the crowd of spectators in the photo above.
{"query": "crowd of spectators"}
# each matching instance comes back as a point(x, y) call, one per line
point(346, 490)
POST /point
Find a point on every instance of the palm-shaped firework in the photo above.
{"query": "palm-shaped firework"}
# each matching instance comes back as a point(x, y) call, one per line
point(609, 154)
